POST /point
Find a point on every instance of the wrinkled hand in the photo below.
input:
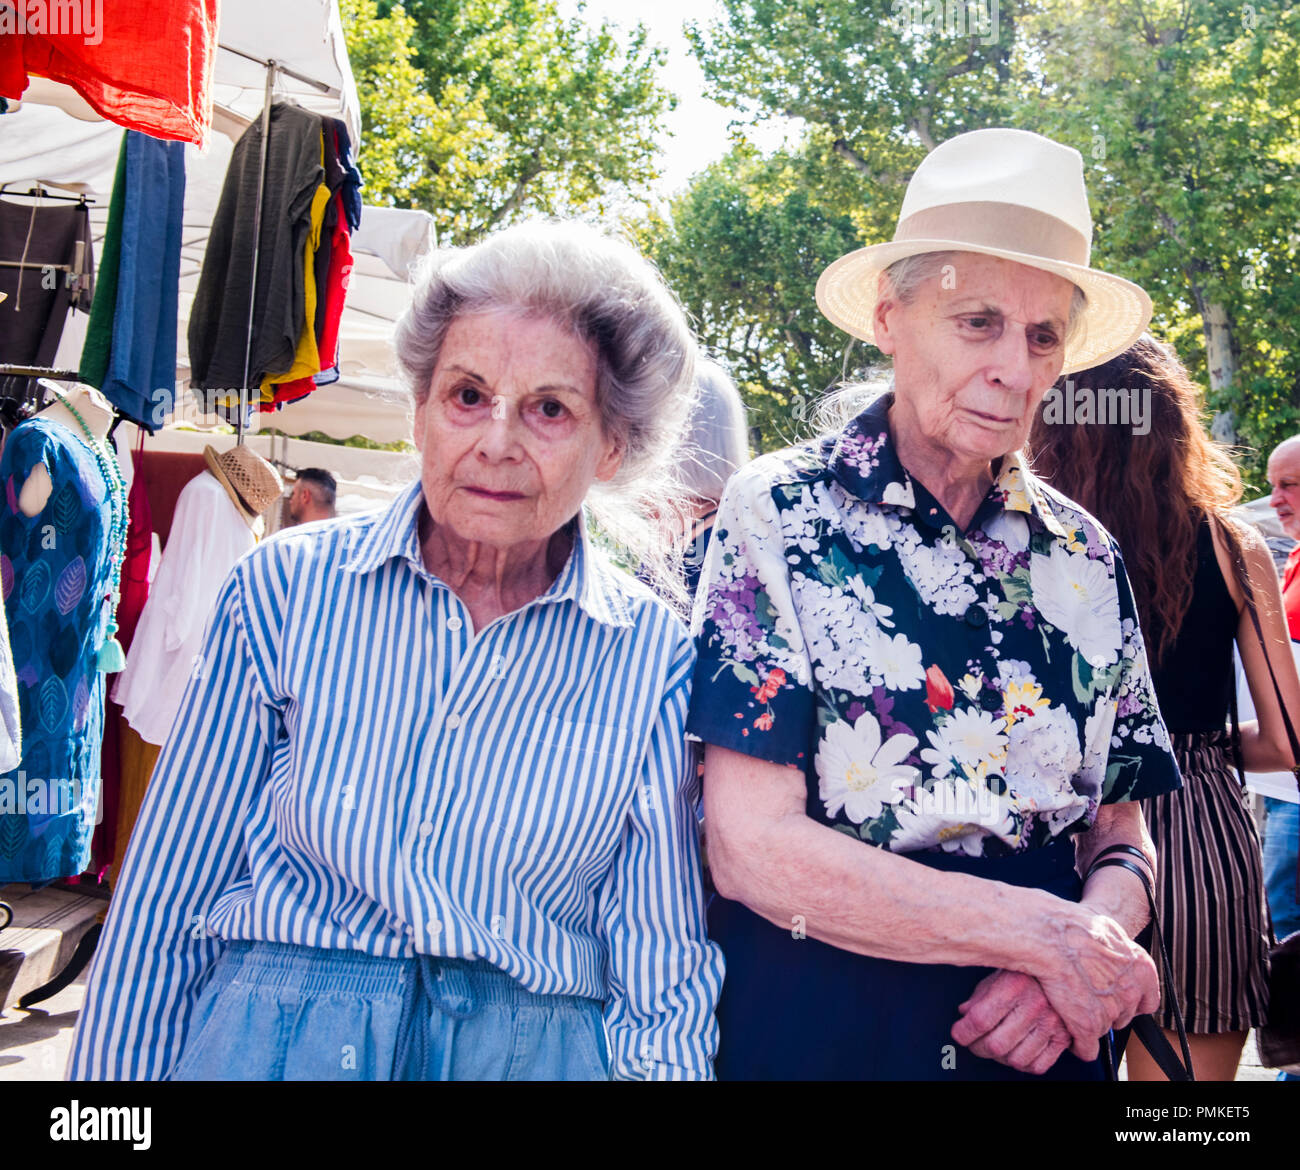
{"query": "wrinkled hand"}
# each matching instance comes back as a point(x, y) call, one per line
point(1098, 977)
point(1008, 1019)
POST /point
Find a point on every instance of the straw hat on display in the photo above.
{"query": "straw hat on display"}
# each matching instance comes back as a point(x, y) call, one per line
point(250, 481)
point(1005, 193)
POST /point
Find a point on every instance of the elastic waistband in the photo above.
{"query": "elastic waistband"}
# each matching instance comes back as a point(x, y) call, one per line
point(315, 969)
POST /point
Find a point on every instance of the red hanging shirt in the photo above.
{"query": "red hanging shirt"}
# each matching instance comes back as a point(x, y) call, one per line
point(144, 64)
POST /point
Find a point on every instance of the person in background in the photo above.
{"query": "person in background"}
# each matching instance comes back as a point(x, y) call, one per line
point(719, 445)
point(1282, 817)
point(312, 497)
point(716, 445)
point(1165, 497)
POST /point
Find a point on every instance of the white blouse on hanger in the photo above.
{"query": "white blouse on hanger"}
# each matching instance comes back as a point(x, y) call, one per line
point(208, 536)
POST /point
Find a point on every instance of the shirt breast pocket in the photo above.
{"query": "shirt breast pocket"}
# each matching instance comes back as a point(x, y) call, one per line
point(573, 787)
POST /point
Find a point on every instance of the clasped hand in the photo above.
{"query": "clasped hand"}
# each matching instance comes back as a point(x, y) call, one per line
point(1093, 978)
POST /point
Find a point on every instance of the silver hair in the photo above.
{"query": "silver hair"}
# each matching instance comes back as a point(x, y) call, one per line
point(608, 295)
point(719, 441)
point(906, 276)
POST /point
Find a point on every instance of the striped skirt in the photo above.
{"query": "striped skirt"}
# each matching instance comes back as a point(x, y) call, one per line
point(1210, 892)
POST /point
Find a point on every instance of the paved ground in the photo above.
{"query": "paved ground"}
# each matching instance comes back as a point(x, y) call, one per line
point(34, 1045)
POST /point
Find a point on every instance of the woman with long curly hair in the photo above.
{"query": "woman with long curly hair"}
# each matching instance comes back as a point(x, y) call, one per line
point(1164, 490)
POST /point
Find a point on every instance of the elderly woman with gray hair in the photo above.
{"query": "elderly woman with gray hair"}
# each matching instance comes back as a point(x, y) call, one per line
point(427, 811)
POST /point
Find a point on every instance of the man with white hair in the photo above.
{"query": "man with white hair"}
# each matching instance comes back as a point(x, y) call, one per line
point(1282, 813)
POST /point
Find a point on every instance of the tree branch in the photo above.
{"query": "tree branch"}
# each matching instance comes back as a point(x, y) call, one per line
point(841, 147)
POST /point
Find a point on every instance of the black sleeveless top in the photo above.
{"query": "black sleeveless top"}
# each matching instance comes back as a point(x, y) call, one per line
point(1194, 681)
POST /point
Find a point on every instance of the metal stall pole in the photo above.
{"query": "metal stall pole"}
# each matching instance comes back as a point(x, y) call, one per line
point(257, 247)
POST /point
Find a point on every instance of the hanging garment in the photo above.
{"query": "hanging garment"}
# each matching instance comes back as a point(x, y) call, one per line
point(53, 243)
point(335, 176)
point(56, 569)
point(11, 735)
point(208, 536)
point(335, 295)
point(144, 64)
point(130, 349)
point(122, 785)
point(352, 184)
point(306, 358)
point(218, 326)
point(138, 759)
point(99, 329)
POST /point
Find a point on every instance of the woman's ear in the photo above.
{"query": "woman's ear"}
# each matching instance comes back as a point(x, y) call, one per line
point(611, 461)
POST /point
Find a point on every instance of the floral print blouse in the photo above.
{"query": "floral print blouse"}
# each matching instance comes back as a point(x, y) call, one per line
point(978, 692)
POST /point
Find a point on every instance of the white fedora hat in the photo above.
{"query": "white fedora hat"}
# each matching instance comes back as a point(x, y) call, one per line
point(1005, 193)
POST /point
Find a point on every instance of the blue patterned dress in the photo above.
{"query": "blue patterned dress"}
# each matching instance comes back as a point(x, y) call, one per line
point(55, 570)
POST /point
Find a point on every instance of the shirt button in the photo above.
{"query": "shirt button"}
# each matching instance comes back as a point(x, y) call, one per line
point(498, 667)
point(454, 623)
point(434, 928)
point(426, 830)
point(453, 721)
point(975, 616)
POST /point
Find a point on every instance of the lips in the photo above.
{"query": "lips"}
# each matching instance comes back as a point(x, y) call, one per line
point(992, 419)
point(491, 495)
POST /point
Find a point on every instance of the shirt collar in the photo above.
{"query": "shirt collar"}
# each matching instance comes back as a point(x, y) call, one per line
point(584, 578)
point(866, 462)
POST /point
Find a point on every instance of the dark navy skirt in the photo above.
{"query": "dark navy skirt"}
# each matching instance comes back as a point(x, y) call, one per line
point(798, 1009)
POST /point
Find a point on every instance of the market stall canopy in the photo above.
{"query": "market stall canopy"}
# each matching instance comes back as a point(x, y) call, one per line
point(54, 145)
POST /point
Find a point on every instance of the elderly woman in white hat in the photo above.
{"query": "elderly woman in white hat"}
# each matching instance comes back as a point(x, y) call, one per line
point(428, 811)
point(921, 682)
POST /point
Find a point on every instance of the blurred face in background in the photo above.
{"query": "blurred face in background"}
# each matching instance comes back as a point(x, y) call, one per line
point(1284, 477)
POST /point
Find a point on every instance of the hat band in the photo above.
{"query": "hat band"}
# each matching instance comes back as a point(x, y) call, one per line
point(1005, 226)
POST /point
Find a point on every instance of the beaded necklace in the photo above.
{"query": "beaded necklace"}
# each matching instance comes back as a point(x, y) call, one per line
point(111, 657)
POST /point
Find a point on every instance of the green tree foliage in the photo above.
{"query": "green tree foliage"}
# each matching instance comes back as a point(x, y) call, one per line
point(1185, 111)
point(485, 111)
point(1188, 114)
point(746, 243)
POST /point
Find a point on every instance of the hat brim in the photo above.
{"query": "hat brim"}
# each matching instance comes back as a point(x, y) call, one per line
point(1116, 314)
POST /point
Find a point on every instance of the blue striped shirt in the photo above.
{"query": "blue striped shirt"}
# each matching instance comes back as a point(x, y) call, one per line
point(353, 767)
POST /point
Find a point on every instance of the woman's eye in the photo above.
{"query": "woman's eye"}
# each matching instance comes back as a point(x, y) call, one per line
point(552, 409)
point(978, 322)
point(468, 396)
point(1045, 341)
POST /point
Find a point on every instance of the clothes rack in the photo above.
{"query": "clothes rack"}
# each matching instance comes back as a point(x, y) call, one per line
point(11, 371)
point(39, 192)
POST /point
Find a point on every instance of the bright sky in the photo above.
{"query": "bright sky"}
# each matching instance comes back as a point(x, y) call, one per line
point(696, 131)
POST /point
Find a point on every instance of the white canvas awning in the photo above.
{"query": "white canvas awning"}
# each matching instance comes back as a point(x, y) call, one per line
point(56, 140)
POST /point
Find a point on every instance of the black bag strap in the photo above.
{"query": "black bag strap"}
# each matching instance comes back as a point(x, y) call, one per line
point(1145, 1027)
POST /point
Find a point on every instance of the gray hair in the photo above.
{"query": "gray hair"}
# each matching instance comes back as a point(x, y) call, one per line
point(719, 442)
point(906, 276)
point(608, 295)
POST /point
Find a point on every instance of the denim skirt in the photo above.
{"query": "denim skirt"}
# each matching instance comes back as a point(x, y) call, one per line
point(797, 1009)
point(275, 1012)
